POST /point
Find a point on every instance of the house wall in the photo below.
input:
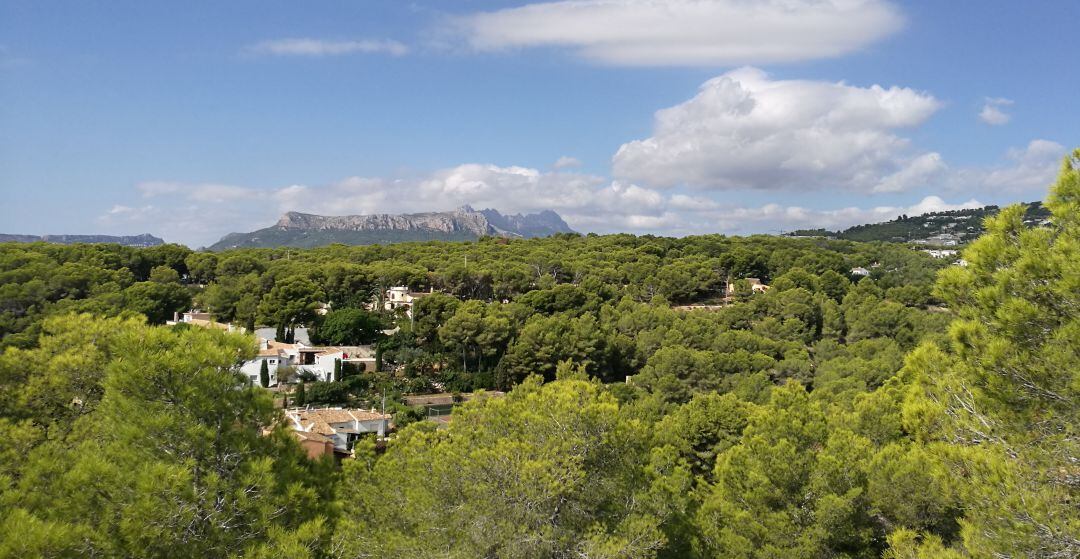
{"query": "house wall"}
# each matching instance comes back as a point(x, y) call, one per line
point(316, 449)
point(252, 368)
point(324, 365)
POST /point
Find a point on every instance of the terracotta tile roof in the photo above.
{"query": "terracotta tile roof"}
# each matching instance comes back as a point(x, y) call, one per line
point(355, 352)
point(306, 436)
point(327, 351)
point(320, 420)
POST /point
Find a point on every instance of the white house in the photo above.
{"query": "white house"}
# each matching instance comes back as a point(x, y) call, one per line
point(755, 286)
point(941, 253)
point(342, 426)
point(204, 320)
point(401, 298)
point(318, 361)
point(361, 356)
point(275, 355)
point(860, 271)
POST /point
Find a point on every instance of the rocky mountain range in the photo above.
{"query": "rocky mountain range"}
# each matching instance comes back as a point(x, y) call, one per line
point(297, 229)
point(144, 240)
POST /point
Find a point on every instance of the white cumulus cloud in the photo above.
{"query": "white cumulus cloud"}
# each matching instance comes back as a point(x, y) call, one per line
point(744, 130)
point(199, 214)
point(321, 47)
point(993, 111)
point(687, 32)
point(567, 162)
point(1028, 170)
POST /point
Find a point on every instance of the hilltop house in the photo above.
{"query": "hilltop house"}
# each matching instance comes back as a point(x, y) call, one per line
point(204, 320)
point(363, 357)
point(319, 361)
point(942, 253)
point(340, 427)
point(275, 354)
point(860, 272)
point(755, 287)
point(401, 298)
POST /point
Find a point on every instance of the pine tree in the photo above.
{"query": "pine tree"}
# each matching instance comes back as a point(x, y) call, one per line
point(1005, 397)
point(171, 461)
point(337, 370)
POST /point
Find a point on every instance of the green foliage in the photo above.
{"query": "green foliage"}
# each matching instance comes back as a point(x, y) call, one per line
point(779, 424)
point(968, 223)
point(300, 399)
point(291, 301)
point(324, 393)
point(264, 374)
point(348, 327)
point(1001, 401)
point(156, 301)
point(543, 472)
point(163, 455)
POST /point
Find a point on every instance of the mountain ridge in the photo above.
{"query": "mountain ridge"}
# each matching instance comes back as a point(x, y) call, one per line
point(143, 240)
point(943, 227)
point(305, 230)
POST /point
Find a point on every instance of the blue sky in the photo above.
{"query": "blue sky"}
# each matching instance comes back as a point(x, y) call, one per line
point(190, 120)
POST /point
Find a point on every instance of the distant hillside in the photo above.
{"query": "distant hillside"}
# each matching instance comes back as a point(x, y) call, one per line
point(144, 240)
point(937, 228)
point(302, 230)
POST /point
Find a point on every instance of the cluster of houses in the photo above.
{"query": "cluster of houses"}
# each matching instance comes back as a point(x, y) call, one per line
point(319, 361)
point(334, 431)
point(941, 239)
point(301, 357)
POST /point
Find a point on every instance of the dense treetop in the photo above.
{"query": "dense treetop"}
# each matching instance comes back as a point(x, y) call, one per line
point(919, 413)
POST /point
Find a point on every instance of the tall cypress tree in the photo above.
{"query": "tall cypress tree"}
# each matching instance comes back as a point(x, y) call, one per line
point(264, 374)
point(301, 396)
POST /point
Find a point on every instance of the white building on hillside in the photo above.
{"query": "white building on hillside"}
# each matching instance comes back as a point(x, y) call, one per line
point(342, 426)
point(401, 298)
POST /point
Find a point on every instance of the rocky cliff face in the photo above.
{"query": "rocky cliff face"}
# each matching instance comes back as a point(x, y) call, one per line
point(460, 220)
point(308, 230)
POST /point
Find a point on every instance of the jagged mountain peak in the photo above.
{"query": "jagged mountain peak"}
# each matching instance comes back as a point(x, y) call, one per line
point(464, 223)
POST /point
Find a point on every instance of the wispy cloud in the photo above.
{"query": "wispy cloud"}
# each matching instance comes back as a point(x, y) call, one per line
point(1027, 171)
point(993, 111)
point(567, 162)
point(321, 47)
point(686, 32)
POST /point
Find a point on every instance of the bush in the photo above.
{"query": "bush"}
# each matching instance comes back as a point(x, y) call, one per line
point(327, 393)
